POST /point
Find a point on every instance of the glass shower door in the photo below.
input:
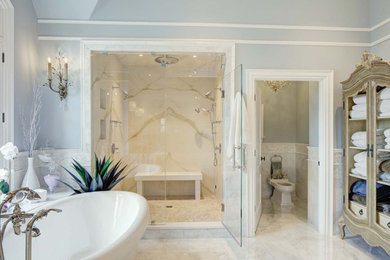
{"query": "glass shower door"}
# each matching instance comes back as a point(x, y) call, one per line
point(234, 152)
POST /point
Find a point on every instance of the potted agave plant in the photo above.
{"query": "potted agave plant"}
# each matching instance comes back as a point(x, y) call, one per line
point(105, 178)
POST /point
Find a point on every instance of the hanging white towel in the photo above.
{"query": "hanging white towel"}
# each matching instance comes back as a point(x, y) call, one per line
point(236, 124)
point(384, 93)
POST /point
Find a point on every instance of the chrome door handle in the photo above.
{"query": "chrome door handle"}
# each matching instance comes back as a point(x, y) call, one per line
point(234, 157)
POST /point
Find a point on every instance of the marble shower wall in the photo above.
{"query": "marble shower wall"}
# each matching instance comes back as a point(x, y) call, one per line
point(156, 128)
point(294, 165)
point(109, 113)
point(166, 131)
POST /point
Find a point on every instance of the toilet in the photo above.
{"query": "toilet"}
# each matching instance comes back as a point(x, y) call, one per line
point(283, 189)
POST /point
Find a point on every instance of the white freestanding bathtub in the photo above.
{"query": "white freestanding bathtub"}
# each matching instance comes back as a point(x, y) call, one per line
point(96, 225)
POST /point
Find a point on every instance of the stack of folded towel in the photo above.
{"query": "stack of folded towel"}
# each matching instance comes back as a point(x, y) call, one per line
point(359, 110)
point(384, 102)
point(360, 165)
point(386, 133)
point(359, 139)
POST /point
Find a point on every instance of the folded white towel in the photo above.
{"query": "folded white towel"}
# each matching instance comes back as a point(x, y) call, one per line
point(357, 114)
point(360, 165)
point(362, 143)
point(387, 140)
point(387, 132)
point(384, 105)
point(385, 176)
point(362, 135)
point(360, 157)
point(387, 146)
point(360, 107)
point(359, 171)
point(384, 94)
point(384, 114)
point(359, 135)
point(360, 99)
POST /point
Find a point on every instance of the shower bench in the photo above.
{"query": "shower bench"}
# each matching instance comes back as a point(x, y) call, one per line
point(140, 177)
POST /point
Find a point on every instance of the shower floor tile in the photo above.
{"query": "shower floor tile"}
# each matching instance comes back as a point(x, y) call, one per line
point(184, 209)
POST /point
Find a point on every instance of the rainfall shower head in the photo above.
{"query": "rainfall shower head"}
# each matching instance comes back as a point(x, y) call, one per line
point(125, 93)
point(165, 60)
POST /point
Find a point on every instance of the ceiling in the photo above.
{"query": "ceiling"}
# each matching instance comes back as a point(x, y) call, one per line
point(65, 9)
point(193, 65)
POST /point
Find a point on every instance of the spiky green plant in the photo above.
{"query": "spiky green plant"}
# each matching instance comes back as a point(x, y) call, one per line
point(105, 178)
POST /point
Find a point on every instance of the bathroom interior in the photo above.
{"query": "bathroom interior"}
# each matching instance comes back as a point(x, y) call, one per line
point(288, 116)
point(161, 114)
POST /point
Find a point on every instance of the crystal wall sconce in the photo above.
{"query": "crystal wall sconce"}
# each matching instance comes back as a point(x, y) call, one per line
point(59, 71)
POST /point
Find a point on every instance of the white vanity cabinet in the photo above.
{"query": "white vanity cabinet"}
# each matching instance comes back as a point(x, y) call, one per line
point(370, 77)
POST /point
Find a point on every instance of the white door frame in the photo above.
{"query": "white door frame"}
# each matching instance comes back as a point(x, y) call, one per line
point(325, 188)
point(7, 95)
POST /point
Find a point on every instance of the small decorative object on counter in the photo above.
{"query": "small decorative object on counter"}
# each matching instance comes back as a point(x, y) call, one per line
point(51, 181)
point(4, 186)
point(9, 152)
point(105, 178)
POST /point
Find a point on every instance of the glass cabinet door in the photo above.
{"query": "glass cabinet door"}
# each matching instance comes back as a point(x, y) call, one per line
point(381, 177)
point(356, 152)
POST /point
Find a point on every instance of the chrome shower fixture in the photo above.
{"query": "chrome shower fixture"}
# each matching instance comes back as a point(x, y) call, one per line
point(122, 90)
point(208, 93)
point(165, 60)
point(201, 109)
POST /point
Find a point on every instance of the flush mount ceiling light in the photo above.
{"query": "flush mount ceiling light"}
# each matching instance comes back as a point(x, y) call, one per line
point(276, 85)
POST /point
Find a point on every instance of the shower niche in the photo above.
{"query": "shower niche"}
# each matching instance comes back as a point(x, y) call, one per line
point(163, 118)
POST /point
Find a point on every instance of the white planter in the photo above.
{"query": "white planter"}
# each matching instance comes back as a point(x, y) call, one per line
point(31, 179)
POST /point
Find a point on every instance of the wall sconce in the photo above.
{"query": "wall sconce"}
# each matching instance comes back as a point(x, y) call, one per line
point(61, 72)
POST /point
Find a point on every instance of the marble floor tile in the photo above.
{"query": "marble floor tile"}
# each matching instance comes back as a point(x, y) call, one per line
point(280, 236)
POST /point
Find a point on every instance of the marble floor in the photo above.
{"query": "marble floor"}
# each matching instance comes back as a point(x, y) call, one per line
point(207, 209)
point(280, 236)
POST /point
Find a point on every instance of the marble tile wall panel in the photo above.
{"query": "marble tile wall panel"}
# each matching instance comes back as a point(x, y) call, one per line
point(157, 123)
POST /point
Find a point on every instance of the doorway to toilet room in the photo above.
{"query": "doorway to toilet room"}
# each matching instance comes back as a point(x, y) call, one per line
point(288, 113)
point(295, 150)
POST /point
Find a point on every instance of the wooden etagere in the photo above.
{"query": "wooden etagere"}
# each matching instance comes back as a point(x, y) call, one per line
point(369, 78)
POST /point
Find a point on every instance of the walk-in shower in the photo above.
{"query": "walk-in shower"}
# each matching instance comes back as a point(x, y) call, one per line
point(161, 114)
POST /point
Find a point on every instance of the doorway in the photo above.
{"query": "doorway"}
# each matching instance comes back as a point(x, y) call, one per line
point(324, 80)
point(6, 73)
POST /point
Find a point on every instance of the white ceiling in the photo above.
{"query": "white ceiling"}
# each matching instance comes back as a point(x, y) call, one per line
point(64, 9)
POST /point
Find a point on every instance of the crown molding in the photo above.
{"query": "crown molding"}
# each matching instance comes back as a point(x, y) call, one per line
point(236, 41)
point(210, 25)
point(219, 25)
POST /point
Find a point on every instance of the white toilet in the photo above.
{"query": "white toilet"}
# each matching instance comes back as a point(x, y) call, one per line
point(283, 189)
